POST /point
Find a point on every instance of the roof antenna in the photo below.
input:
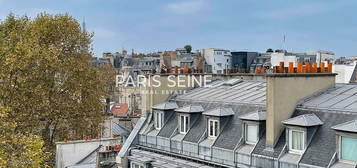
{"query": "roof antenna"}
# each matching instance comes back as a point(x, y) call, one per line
point(84, 25)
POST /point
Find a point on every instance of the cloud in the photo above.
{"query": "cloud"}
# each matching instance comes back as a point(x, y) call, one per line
point(186, 7)
point(297, 11)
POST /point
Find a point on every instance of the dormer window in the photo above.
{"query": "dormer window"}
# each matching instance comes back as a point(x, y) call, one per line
point(348, 149)
point(159, 119)
point(251, 133)
point(297, 128)
point(252, 122)
point(296, 141)
point(213, 118)
point(347, 141)
point(184, 123)
point(213, 126)
point(159, 110)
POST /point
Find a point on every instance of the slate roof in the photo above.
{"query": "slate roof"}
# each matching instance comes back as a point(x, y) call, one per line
point(219, 112)
point(245, 92)
point(190, 109)
point(120, 130)
point(306, 120)
point(254, 116)
point(169, 127)
point(323, 144)
point(165, 106)
point(350, 126)
point(342, 97)
point(326, 110)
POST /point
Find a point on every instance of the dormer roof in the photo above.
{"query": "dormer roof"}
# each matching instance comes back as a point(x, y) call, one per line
point(306, 120)
point(350, 126)
point(165, 106)
point(219, 112)
point(254, 116)
point(190, 109)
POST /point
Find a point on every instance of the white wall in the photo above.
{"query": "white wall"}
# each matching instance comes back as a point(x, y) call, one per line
point(71, 152)
point(218, 59)
point(276, 58)
point(344, 72)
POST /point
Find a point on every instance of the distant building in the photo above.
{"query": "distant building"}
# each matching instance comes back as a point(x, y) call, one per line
point(97, 61)
point(346, 73)
point(263, 60)
point(312, 57)
point(242, 60)
point(219, 59)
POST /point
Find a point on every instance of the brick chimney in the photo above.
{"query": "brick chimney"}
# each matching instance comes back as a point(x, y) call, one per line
point(284, 91)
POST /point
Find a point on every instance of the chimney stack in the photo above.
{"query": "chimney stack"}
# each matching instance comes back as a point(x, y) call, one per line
point(284, 91)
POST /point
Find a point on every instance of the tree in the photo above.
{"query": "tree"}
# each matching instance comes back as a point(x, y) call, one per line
point(48, 81)
point(188, 48)
point(16, 148)
point(269, 50)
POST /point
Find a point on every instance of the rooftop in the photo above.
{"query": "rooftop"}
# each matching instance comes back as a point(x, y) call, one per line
point(245, 92)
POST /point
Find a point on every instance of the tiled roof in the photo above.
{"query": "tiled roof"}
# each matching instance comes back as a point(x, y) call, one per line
point(120, 109)
point(350, 126)
point(165, 106)
point(306, 120)
point(190, 109)
point(220, 112)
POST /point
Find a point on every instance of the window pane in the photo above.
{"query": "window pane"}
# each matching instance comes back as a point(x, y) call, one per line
point(349, 149)
point(156, 119)
point(297, 140)
point(215, 128)
point(161, 119)
point(182, 122)
point(210, 128)
point(186, 124)
point(252, 132)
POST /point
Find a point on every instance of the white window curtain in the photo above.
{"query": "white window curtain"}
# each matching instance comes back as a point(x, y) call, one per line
point(159, 119)
point(349, 149)
point(213, 128)
point(184, 124)
point(297, 140)
point(251, 133)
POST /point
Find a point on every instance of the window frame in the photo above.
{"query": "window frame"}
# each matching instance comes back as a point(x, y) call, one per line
point(136, 165)
point(215, 130)
point(290, 136)
point(246, 133)
point(340, 149)
point(158, 119)
point(186, 123)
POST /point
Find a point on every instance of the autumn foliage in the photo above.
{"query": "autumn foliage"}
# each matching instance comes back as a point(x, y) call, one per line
point(47, 81)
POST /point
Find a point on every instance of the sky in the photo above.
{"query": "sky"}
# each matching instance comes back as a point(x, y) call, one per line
point(250, 25)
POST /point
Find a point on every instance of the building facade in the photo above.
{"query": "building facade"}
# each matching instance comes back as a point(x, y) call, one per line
point(220, 60)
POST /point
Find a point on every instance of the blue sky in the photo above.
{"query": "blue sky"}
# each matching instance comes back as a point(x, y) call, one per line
point(254, 25)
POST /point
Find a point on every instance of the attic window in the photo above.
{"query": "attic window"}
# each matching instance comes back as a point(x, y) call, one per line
point(296, 141)
point(251, 133)
point(136, 165)
point(348, 149)
point(184, 123)
point(159, 119)
point(213, 126)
